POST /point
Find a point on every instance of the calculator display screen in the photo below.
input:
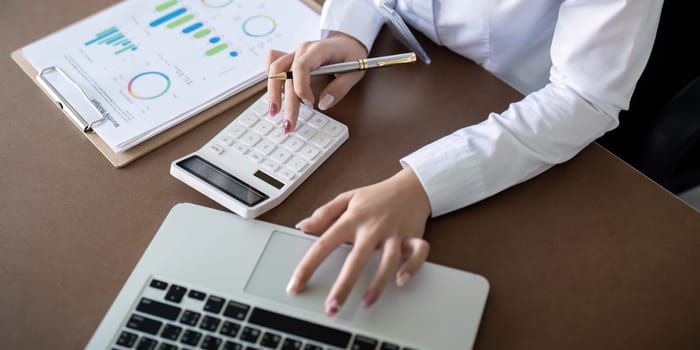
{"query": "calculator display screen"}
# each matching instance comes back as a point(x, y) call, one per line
point(222, 180)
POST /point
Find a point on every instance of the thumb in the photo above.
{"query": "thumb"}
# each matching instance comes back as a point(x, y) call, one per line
point(338, 88)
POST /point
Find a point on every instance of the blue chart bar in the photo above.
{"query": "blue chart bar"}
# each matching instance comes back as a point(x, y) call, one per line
point(168, 17)
point(102, 35)
point(193, 27)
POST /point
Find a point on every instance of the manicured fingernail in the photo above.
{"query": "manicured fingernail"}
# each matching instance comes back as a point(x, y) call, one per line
point(325, 102)
point(285, 127)
point(332, 308)
point(304, 222)
point(293, 286)
point(369, 298)
point(403, 278)
point(273, 108)
point(308, 103)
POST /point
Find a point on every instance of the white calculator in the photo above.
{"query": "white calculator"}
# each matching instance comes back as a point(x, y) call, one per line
point(250, 167)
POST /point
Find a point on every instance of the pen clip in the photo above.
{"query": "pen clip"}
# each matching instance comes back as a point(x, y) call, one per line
point(409, 59)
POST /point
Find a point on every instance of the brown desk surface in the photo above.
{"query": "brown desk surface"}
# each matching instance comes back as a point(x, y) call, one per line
point(590, 255)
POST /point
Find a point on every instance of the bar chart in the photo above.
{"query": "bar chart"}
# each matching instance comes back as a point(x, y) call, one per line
point(115, 38)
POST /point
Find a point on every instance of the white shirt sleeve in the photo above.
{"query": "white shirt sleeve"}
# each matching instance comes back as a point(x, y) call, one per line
point(358, 18)
point(598, 52)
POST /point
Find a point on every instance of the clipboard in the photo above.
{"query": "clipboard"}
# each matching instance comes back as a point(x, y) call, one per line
point(121, 159)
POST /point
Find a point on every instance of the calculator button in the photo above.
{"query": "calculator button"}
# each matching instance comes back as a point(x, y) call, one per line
point(236, 130)
point(250, 138)
point(270, 165)
point(276, 119)
point(265, 147)
point(296, 164)
point(334, 129)
point(260, 108)
point(277, 135)
point(321, 140)
point(247, 119)
point(216, 149)
point(287, 174)
point(318, 121)
point(241, 148)
point(263, 128)
point(305, 113)
point(227, 140)
point(293, 144)
point(306, 132)
point(255, 157)
point(280, 155)
point(309, 152)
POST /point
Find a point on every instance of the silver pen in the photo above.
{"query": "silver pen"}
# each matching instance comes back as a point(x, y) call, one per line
point(363, 64)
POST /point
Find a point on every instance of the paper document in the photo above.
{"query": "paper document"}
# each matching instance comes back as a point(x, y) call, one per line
point(147, 65)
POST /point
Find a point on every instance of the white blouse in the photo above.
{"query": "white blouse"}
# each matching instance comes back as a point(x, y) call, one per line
point(577, 62)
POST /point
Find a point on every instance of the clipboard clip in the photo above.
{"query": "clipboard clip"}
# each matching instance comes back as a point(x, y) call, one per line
point(64, 104)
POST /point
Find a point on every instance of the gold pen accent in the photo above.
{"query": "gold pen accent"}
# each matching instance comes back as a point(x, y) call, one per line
point(409, 59)
point(279, 76)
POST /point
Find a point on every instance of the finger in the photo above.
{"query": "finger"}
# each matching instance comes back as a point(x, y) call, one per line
point(352, 268)
point(416, 250)
point(323, 217)
point(278, 62)
point(338, 88)
point(291, 107)
point(313, 258)
point(310, 56)
point(391, 256)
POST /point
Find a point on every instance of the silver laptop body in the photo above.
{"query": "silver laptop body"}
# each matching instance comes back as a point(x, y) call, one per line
point(210, 279)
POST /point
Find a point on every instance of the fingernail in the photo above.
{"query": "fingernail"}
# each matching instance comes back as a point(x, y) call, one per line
point(403, 278)
point(325, 102)
point(285, 127)
point(303, 222)
point(308, 103)
point(332, 308)
point(273, 109)
point(293, 286)
point(369, 298)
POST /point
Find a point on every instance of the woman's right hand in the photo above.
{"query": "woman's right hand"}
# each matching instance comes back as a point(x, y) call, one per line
point(338, 47)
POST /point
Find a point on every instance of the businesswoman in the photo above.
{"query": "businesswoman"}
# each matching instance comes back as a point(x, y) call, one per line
point(577, 62)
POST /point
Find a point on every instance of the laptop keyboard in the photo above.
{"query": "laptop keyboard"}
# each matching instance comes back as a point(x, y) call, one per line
point(169, 316)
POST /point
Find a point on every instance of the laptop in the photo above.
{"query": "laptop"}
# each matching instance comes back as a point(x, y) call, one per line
point(213, 280)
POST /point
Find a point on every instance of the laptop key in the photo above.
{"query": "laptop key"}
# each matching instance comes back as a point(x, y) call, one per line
point(190, 318)
point(250, 334)
point(144, 324)
point(158, 284)
point(230, 345)
point(191, 337)
point(127, 339)
point(214, 304)
point(270, 340)
point(210, 323)
point(175, 293)
point(389, 346)
point(156, 308)
point(292, 344)
point(210, 343)
point(166, 346)
point(171, 331)
point(195, 294)
point(312, 347)
point(364, 343)
point(230, 329)
point(236, 310)
point(146, 344)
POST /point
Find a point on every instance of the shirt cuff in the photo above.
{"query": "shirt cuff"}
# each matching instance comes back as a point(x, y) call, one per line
point(358, 19)
point(449, 172)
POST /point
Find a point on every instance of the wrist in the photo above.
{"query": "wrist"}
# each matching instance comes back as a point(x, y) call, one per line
point(410, 183)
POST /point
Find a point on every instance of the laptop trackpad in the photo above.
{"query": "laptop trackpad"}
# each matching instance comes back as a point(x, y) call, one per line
point(277, 263)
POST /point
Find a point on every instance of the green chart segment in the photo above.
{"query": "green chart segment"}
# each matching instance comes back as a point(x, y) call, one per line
point(176, 17)
point(115, 38)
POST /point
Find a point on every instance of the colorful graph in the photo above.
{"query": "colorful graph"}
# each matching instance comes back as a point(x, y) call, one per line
point(173, 17)
point(115, 38)
point(259, 26)
point(149, 85)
